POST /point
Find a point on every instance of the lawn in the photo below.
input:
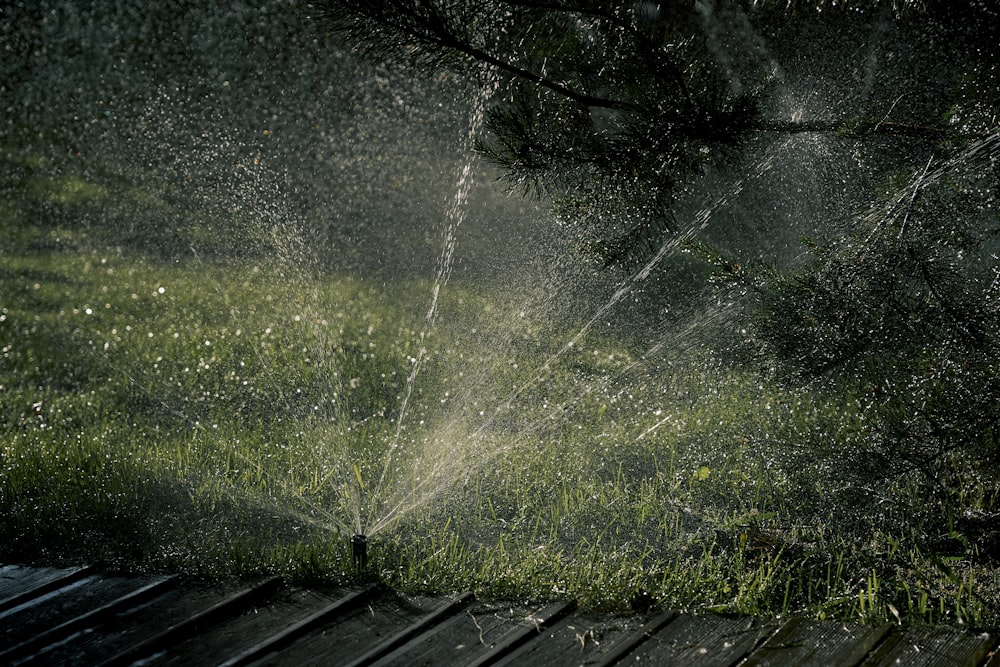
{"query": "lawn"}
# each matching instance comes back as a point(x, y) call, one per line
point(231, 413)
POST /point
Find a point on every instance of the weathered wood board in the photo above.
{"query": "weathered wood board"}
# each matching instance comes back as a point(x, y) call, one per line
point(82, 616)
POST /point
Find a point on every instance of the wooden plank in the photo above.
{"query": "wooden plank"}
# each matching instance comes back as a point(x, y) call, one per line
point(993, 654)
point(704, 641)
point(823, 644)
point(538, 622)
point(423, 625)
point(356, 633)
point(462, 638)
point(577, 640)
point(196, 623)
point(278, 640)
point(641, 636)
point(41, 614)
point(39, 642)
point(137, 624)
point(932, 647)
point(15, 579)
point(40, 583)
point(248, 635)
point(61, 616)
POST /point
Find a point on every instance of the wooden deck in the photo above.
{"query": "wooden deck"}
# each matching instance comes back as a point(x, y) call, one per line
point(82, 616)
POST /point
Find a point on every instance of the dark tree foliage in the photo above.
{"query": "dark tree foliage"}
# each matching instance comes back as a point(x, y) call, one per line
point(605, 107)
point(611, 108)
point(902, 312)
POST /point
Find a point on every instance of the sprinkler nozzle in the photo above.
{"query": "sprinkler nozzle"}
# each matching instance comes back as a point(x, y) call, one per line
point(359, 547)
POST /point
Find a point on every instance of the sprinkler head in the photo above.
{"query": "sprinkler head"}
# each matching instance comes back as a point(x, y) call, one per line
point(359, 547)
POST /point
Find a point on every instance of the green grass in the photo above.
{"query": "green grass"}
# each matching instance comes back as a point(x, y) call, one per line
point(232, 417)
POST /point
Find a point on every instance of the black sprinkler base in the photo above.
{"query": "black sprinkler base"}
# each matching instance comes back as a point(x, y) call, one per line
point(359, 547)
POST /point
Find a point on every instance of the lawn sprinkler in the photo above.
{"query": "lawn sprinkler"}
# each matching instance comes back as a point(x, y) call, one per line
point(359, 547)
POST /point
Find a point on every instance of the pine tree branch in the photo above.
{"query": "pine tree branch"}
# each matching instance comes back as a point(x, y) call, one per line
point(652, 49)
point(583, 99)
point(394, 23)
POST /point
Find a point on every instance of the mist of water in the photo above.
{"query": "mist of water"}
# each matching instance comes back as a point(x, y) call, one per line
point(455, 215)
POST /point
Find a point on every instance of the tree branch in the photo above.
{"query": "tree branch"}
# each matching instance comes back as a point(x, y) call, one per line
point(652, 49)
point(449, 41)
point(429, 26)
